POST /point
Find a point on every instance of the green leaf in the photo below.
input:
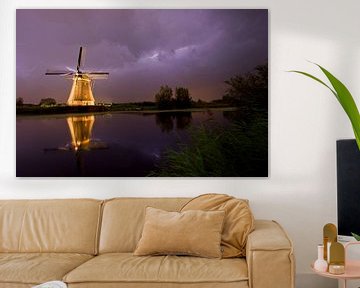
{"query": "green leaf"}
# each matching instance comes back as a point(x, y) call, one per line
point(356, 236)
point(347, 102)
point(344, 97)
point(316, 79)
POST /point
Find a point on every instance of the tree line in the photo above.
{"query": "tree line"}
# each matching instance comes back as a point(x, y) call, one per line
point(247, 91)
point(43, 102)
point(165, 98)
point(250, 90)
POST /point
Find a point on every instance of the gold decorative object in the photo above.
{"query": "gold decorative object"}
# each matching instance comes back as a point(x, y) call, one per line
point(336, 269)
point(330, 236)
point(337, 258)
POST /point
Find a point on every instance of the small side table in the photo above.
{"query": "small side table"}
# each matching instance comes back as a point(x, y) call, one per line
point(352, 269)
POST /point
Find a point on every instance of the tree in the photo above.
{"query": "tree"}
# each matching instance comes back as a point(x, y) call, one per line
point(164, 98)
point(19, 101)
point(250, 90)
point(47, 102)
point(182, 98)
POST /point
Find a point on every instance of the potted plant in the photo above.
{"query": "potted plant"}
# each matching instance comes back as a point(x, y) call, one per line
point(357, 237)
point(345, 99)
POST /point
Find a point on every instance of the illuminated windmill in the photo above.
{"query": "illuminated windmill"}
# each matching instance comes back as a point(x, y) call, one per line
point(83, 82)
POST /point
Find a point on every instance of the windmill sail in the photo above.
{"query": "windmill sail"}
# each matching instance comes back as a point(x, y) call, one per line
point(79, 63)
point(57, 72)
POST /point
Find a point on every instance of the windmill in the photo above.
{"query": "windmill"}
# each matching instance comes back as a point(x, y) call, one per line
point(83, 81)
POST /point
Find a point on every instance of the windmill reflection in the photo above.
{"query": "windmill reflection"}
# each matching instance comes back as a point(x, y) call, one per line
point(80, 128)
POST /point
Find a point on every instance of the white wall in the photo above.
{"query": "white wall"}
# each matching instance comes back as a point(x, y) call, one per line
point(305, 120)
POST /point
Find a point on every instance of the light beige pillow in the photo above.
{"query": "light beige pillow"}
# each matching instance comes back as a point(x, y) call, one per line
point(238, 223)
point(194, 232)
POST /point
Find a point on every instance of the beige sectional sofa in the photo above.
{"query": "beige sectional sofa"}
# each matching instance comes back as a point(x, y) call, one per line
point(89, 243)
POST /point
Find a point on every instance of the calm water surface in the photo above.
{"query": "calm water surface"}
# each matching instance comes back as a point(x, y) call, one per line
point(116, 144)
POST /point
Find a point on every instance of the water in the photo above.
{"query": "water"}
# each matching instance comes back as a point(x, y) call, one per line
point(103, 145)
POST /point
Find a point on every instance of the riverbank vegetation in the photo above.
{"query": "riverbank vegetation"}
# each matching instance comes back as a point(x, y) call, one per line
point(239, 149)
point(144, 107)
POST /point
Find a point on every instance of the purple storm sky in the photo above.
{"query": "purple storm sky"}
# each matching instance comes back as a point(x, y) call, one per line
point(141, 49)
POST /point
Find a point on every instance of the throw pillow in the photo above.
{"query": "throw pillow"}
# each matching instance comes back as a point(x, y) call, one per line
point(196, 233)
point(239, 220)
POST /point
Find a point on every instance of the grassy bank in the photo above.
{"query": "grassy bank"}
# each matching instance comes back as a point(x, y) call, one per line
point(237, 150)
point(48, 110)
point(124, 107)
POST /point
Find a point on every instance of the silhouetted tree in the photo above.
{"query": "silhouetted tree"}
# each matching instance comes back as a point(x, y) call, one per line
point(47, 102)
point(19, 101)
point(249, 90)
point(182, 97)
point(164, 98)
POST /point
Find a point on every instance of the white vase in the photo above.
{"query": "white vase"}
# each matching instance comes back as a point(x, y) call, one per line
point(320, 264)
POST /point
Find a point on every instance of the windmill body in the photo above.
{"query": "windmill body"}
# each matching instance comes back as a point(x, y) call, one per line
point(81, 93)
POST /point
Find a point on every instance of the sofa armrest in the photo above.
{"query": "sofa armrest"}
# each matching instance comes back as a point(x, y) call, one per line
point(269, 256)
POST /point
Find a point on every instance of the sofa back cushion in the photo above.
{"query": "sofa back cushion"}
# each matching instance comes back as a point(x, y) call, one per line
point(238, 224)
point(123, 220)
point(66, 226)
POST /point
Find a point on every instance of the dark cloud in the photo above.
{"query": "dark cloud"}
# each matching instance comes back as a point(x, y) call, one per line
point(142, 49)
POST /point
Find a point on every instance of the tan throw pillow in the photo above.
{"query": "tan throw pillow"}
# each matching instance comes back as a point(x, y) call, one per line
point(196, 233)
point(239, 220)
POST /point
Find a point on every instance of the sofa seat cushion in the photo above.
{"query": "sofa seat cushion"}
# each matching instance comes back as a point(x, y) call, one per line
point(125, 267)
point(36, 268)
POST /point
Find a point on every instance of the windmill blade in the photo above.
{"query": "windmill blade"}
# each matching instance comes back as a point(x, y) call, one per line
point(57, 72)
point(98, 75)
point(80, 58)
point(70, 69)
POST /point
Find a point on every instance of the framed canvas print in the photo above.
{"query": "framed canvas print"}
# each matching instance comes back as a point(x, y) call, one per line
point(142, 92)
